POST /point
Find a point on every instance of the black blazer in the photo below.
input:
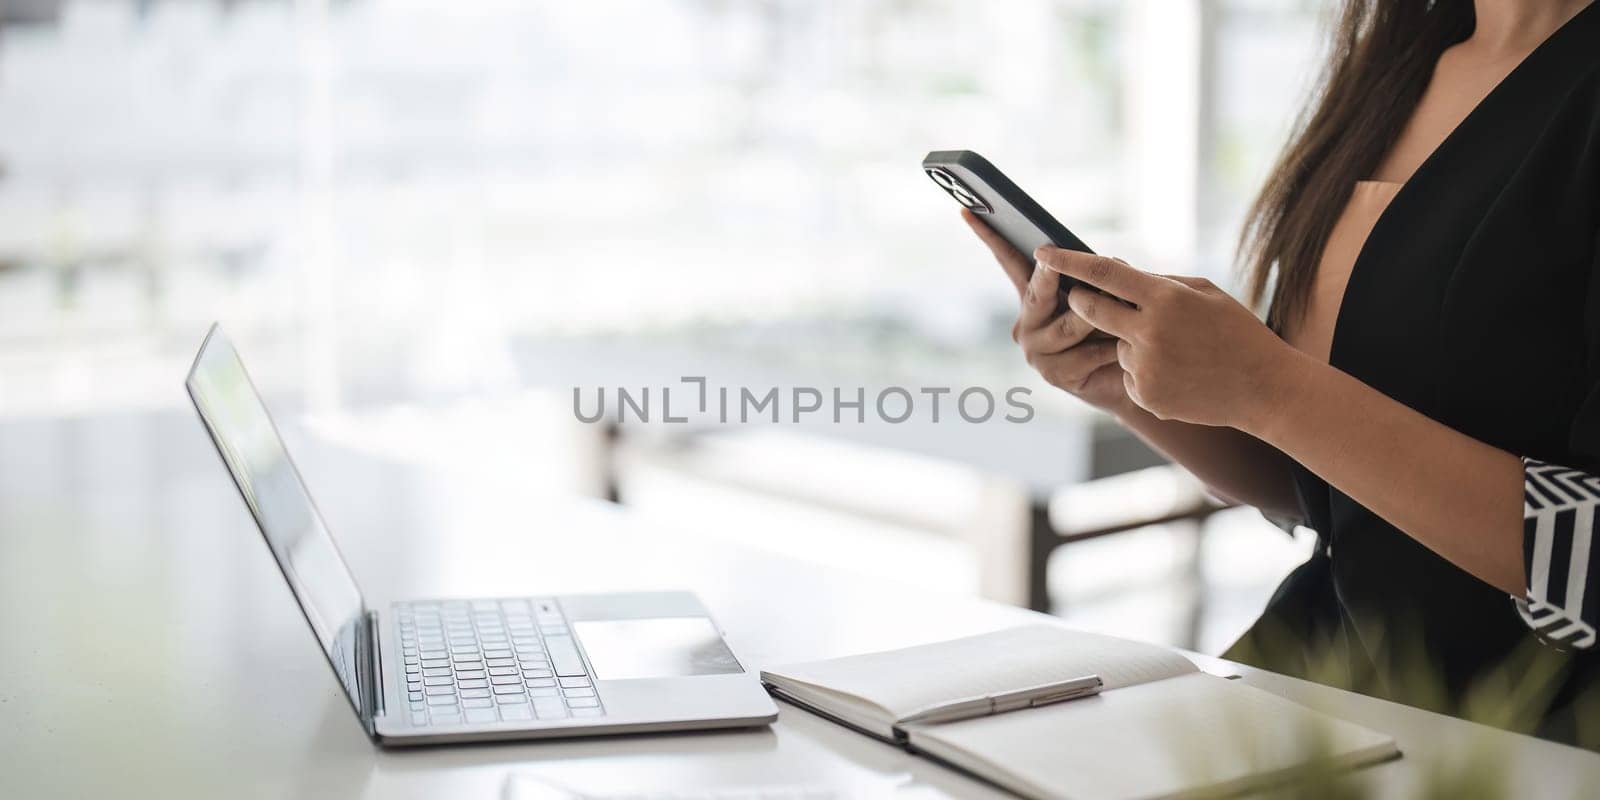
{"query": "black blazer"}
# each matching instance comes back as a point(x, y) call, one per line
point(1474, 301)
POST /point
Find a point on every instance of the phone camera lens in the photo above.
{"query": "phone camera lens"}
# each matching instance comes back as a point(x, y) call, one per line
point(955, 188)
point(942, 178)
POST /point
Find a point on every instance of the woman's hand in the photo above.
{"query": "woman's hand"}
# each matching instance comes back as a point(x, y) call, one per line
point(1068, 352)
point(1188, 351)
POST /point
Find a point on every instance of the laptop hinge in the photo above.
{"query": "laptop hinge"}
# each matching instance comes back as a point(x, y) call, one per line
point(374, 666)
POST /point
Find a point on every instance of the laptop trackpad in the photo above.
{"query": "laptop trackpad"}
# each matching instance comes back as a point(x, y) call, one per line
point(661, 647)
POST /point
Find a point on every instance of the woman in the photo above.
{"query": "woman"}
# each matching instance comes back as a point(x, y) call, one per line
point(1425, 392)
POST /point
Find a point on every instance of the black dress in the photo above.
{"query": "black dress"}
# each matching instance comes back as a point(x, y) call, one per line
point(1475, 301)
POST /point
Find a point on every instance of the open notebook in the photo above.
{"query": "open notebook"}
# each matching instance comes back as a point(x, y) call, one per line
point(1159, 728)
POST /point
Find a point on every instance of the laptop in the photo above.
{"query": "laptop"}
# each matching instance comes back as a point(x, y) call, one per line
point(439, 671)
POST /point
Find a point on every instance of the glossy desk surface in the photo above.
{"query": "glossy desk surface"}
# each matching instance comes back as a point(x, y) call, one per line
point(150, 648)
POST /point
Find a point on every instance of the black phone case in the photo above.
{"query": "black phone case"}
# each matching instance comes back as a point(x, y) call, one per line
point(1011, 212)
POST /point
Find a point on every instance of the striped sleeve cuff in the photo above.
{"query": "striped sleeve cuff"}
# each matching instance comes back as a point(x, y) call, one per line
point(1558, 518)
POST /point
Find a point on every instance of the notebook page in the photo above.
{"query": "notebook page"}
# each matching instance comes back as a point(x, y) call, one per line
point(903, 681)
point(1195, 735)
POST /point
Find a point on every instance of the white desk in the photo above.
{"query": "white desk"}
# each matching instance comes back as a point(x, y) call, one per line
point(150, 648)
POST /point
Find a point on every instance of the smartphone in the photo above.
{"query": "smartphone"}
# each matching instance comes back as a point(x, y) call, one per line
point(1009, 211)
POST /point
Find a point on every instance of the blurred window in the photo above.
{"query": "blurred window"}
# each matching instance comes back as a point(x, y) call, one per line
point(348, 178)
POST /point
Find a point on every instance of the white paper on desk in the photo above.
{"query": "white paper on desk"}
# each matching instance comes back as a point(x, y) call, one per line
point(1191, 736)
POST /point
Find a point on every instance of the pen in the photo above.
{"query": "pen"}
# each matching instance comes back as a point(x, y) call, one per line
point(982, 706)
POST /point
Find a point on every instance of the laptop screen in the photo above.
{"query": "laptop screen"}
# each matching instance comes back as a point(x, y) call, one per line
point(249, 443)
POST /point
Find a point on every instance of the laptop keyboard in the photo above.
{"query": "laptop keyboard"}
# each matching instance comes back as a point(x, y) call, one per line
point(479, 661)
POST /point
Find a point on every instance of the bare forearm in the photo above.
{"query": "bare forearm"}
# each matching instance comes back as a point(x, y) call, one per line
point(1458, 496)
point(1189, 351)
point(1235, 465)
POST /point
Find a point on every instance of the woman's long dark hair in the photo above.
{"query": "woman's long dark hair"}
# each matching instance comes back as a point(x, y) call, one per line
point(1381, 59)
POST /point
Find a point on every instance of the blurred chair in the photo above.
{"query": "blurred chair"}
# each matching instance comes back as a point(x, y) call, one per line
point(1010, 530)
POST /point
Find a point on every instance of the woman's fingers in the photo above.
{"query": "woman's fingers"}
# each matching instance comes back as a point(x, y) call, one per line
point(1125, 357)
point(1117, 277)
point(1016, 265)
point(1039, 300)
point(1058, 333)
point(1103, 312)
point(1071, 369)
